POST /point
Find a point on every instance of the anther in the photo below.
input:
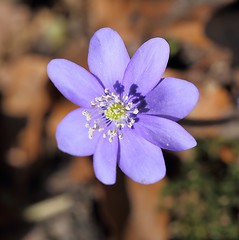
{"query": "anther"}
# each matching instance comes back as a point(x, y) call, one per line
point(120, 136)
point(107, 91)
point(136, 111)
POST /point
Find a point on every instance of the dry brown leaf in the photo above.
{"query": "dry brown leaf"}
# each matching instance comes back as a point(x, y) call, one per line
point(214, 103)
point(23, 84)
point(146, 220)
point(81, 170)
point(13, 18)
point(227, 154)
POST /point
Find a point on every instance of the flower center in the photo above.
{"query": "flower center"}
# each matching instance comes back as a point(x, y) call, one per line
point(115, 111)
point(110, 113)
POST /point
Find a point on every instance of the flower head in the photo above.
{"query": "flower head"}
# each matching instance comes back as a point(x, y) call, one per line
point(128, 111)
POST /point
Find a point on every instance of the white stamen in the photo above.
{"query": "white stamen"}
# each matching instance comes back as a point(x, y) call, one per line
point(125, 97)
point(136, 111)
point(107, 91)
point(111, 112)
point(120, 136)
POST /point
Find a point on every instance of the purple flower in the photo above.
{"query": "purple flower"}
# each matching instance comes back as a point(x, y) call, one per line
point(128, 111)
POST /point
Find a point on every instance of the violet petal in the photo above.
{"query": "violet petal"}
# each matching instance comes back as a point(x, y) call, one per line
point(140, 160)
point(108, 57)
point(164, 133)
point(105, 160)
point(72, 135)
point(74, 82)
point(147, 65)
point(172, 98)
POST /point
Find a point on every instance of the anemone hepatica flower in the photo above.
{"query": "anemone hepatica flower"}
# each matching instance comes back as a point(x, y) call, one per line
point(128, 111)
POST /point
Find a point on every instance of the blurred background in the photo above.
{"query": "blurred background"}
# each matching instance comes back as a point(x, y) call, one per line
point(48, 195)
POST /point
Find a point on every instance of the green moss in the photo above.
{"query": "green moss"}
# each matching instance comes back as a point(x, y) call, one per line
point(174, 46)
point(206, 195)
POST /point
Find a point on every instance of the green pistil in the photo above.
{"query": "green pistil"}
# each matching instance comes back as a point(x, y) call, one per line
point(115, 111)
